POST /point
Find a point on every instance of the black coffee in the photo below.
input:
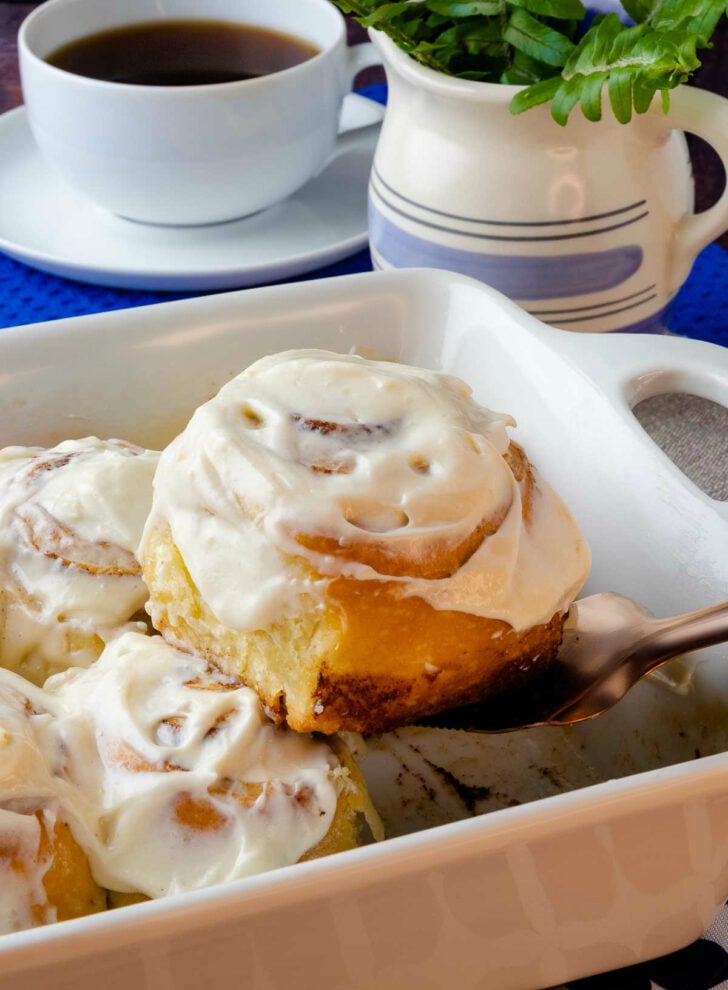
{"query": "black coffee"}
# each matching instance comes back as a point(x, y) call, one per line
point(182, 53)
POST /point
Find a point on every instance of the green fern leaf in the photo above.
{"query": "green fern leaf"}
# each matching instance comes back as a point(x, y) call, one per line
point(458, 8)
point(536, 94)
point(633, 62)
point(700, 16)
point(638, 10)
point(619, 82)
point(530, 43)
point(564, 100)
point(385, 12)
point(523, 71)
point(536, 39)
point(561, 9)
point(590, 95)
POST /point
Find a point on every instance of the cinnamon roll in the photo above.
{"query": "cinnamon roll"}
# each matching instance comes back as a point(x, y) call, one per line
point(70, 522)
point(180, 780)
point(359, 541)
point(45, 875)
point(148, 774)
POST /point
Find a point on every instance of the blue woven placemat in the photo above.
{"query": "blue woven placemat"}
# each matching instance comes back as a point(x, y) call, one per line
point(31, 296)
point(700, 308)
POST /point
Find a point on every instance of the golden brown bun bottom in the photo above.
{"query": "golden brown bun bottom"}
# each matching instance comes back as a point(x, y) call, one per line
point(68, 883)
point(368, 661)
point(69, 888)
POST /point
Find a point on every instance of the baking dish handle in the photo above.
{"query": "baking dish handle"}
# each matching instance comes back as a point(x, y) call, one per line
point(631, 367)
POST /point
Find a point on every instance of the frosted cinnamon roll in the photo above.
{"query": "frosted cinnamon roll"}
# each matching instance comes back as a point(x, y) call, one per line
point(44, 873)
point(180, 779)
point(359, 541)
point(149, 774)
point(70, 522)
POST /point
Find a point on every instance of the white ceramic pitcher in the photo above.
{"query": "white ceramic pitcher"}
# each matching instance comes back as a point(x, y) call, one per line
point(589, 226)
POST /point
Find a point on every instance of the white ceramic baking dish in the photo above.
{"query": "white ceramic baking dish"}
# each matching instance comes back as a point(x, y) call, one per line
point(563, 877)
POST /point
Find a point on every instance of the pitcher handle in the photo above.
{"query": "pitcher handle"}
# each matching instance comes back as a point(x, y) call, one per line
point(704, 114)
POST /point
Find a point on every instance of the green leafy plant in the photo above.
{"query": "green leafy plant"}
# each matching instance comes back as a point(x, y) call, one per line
point(547, 47)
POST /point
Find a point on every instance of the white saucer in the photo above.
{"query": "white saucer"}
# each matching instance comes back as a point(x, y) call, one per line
point(44, 223)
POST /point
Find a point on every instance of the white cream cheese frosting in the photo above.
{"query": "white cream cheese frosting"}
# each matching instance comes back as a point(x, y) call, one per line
point(191, 783)
point(71, 518)
point(331, 445)
point(170, 776)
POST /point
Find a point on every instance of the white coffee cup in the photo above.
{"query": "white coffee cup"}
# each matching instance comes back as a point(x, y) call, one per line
point(189, 154)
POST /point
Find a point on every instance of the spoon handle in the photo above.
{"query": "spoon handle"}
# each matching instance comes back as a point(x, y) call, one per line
point(692, 631)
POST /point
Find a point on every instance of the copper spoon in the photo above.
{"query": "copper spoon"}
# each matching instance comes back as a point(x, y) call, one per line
point(610, 643)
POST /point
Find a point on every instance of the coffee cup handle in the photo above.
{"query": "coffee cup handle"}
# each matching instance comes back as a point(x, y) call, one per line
point(361, 56)
point(704, 114)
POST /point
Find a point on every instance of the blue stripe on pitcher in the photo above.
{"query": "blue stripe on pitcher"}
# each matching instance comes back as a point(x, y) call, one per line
point(540, 277)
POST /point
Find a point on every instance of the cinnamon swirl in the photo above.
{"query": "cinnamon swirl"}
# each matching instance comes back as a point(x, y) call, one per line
point(70, 522)
point(359, 541)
